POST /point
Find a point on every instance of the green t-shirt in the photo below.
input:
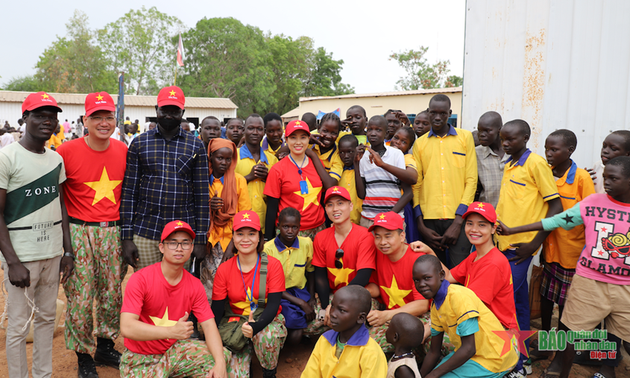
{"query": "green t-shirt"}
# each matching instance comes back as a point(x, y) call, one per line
point(32, 210)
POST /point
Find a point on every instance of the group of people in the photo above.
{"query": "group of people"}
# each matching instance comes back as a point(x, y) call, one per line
point(373, 236)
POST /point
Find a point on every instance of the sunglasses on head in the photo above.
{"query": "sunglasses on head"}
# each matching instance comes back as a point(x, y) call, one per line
point(338, 255)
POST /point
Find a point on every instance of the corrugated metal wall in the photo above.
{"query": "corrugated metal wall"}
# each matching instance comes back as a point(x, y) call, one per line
point(554, 63)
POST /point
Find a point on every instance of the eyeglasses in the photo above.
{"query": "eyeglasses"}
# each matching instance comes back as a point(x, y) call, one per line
point(172, 245)
point(98, 119)
point(338, 255)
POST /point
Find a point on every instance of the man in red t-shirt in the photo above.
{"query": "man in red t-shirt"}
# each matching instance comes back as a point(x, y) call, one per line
point(95, 168)
point(392, 281)
point(344, 254)
point(154, 319)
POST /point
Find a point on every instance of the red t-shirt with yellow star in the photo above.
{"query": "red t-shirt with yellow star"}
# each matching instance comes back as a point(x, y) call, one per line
point(490, 278)
point(229, 284)
point(359, 253)
point(283, 182)
point(395, 279)
point(92, 189)
point(159, 303)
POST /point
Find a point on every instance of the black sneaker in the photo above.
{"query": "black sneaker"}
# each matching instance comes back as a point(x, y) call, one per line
point(106, 355)
point(87, 368)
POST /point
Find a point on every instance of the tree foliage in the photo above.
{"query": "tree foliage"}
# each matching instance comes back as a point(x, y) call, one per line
point(324, 79)
point(421, 74)
point(140, 44)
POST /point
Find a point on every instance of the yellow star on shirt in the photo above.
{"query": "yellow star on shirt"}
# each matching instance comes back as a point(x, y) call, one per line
point(44, 95)
point(172, 93)
point(164, 321)
point(99, 97)
point(245, 305)
point(312, 195)
point(341, 275)
point(104, 188)
point(396, 295)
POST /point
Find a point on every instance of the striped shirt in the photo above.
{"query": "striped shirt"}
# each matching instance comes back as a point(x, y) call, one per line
point(382, 189)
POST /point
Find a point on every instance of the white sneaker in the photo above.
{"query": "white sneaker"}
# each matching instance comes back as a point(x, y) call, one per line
point(517, 374)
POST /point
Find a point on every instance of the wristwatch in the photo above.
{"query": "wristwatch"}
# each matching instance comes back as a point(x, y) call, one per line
point(68, 254)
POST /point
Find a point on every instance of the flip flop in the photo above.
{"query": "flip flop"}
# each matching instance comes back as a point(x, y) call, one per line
point(549, 374)
point(535, 355)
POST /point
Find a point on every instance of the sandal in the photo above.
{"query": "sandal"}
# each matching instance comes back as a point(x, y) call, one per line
point(550, 374)
point(536, 355)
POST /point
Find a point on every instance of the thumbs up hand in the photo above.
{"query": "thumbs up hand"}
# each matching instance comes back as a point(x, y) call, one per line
point(182, 329)
point(247, 329)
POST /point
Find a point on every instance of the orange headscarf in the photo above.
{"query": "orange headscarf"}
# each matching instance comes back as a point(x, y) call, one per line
point(230, 198)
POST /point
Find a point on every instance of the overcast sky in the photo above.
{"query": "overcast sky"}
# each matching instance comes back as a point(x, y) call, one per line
point(362, 35)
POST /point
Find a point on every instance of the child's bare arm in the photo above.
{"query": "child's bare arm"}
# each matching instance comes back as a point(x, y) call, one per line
point(505, 230)
point(327, 181)
point(432, 358)
point(404, 199)
point(358, 180)
point(461, 355)
point(408, 175)
point(404, 372)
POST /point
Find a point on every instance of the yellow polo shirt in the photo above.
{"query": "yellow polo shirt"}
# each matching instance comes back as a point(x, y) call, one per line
point(526, 187)
point(296, 259)
point(564, 246)
point(255, 187)
point(223, 235)
point(453, 305)
point(331, 161)
point(447, 174)
point(347, 181)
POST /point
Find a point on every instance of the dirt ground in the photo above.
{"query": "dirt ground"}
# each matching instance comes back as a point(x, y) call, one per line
point(291, 364)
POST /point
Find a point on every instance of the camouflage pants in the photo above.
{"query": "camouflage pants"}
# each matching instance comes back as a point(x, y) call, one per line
point(266, 344)
point(186, 358)
point(209, 268)
point(98, 273)
point(317, 327)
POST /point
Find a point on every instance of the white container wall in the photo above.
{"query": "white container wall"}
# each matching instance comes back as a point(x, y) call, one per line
point(554, 63)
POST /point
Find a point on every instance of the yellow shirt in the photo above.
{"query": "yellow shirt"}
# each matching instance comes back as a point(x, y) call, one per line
point(296, 259)
point(347, 181)
point(223, 235)
point(255, 187)
point(55, 140)
point(447, 174)
point(331, 161)
point(458, 304)
point(564, 246)
point(526, 187)
point(361, 357)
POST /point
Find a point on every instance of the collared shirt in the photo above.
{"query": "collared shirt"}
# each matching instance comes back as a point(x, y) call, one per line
point(296, 259)
point(348, 182)
point(331, 160)
point(490, 168)
point(447, 174)
point(382, 189)
point(454, 310)
point(223, 234)
point(362, 357)
point(526, 187)
point(165, 180)
point(255, 187)
point(564, 246)
point(267, 147)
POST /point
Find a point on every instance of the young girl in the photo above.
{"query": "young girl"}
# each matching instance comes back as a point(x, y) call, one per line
point(236, 293)
point(403, 140)
point(325, 146)
point(228, 195)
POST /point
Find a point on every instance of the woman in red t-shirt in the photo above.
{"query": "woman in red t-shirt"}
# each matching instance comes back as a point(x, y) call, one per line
point(236, 285)
point(297, 181)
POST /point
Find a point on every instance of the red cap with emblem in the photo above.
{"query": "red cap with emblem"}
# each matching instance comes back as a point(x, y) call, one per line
point(98, 101)
point(246, 218)
point(294, 126)
point(172, 95)
point(39, 100)
point(389, 220)
point(337, 191)
point(484, 209)
point(175, 226)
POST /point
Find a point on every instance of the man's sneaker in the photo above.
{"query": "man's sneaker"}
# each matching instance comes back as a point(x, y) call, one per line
point(527, 366)
point(87, 368)
point(106, 354)
point(517, 374)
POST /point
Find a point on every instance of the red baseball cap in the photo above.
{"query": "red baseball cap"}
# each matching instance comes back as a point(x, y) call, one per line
point(98, 101)
point(177, 226)
point(389, 220)
point(337, 191)
point(172, 95)
point(296, 125)
point(246, 218)
point(484, 209)
point(39, 100)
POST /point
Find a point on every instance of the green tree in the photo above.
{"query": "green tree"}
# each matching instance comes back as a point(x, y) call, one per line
point(421, 74)
point(324, 77)
point(23, 83)
point(140, 44)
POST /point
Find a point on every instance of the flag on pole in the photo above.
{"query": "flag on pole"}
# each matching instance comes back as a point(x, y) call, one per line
point(180, 52)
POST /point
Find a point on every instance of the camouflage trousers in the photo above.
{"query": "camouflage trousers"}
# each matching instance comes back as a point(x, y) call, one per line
point(209, 268)
point(186, 358)
point(317, 326)
point(266, 344)
point(378, 334)
point(98, 273)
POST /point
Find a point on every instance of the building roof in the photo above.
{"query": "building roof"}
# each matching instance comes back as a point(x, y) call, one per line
point(79, 99)
point(386, 94)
